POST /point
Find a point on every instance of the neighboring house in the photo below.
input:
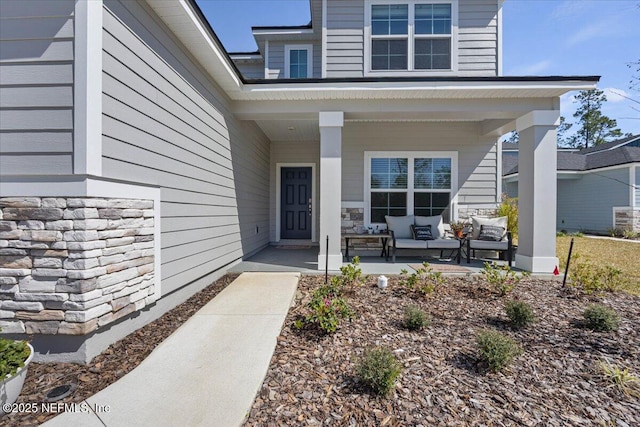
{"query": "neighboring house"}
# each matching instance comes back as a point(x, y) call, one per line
point(598, 187)
point(138, 163)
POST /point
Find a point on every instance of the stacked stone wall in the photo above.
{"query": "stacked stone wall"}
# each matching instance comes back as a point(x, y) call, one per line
point(627, 219)
point(73, 265)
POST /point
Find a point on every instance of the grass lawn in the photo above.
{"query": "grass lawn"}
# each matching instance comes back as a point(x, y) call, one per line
point(624, 256)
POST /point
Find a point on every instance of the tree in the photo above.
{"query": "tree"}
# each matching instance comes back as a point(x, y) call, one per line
point(563, 127)
point(594, 127)
point(634, 83)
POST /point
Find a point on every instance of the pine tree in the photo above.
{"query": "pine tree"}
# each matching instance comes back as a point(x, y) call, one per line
point(594, 127)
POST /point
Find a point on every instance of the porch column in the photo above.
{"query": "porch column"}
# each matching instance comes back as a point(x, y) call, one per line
point(537, 191)
point(330, 188)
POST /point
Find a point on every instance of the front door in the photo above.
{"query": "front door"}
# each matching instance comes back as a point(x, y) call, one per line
point(295, 199)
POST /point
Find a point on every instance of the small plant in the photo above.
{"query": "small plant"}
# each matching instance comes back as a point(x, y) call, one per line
point(457, 228)
point(592, 278)
point(561, 233)
point(351, 275)
point(630, 234)
point(615, 232)
point(501, 277)
point(621, 378)
point(520, 313)
point(425, 280)
point(378, 370)
point(578, 234)
point(497, 349)
point(601, 318)
point(509, 208)
point(13, 354)
point(328, 308)
point(415, 319)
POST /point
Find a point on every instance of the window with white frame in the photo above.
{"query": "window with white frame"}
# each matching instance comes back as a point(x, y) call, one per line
point(409, 183)
point(412, 35)
point(298, 61)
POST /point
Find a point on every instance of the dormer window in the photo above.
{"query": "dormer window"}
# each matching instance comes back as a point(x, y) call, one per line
point(298, 61)
point(413, 35)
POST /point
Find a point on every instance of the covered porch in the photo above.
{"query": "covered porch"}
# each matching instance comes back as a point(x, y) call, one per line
point(337, 129)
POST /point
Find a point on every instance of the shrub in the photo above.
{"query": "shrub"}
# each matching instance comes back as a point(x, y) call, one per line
point(328, 308)
point(501, 277)
point(351, 275)
point(601, 318)
point(378, 370)
point(425, 280)
point(520, 313)
point(593, 278)
point(621, 378)
point(415, 319)
point(497, 349)
point(509, 208)
point(13, 354)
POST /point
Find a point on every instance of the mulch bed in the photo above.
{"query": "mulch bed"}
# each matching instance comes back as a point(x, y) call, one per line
point(106, 368)
point(556, 382)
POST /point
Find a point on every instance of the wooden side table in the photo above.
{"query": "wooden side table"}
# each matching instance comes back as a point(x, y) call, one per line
point(384, 238)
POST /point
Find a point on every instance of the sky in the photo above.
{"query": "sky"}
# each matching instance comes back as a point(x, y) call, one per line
point(540, 38)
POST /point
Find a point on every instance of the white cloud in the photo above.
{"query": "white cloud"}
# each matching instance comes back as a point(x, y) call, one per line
point(532, 69)
point(595, 30)
point(569, 9)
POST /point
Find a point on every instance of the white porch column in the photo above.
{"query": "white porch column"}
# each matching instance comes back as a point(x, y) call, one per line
point(537, 191)
point(330, 189)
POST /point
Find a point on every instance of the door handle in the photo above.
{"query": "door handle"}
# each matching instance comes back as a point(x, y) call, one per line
point(309, 207)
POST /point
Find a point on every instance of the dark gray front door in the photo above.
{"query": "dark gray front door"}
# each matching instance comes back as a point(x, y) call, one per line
point(295, 203)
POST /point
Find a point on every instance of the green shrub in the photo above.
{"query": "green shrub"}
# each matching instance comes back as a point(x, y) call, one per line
point(351, 275)
point(378, 370)
point(415, 319)
point(501, 277)
point(425, 280)
point(601, 318)
point(621, 378)
point(497, 349)
point(509, 208)
point(328, 309)
point(520, 313)
point(593, 278)
point(13, 354)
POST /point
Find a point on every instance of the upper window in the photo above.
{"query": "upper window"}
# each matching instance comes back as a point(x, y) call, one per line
point(298, 61)
point(409, 36)
point(405, 183)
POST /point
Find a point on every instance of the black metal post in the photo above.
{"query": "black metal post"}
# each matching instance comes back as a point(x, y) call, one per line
point(566, 269)
point(326, 263)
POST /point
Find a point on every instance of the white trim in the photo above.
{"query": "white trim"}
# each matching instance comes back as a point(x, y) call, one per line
point(352, 205)
point(88, 186)
point(287, 58)
point(87, 88)
point(284, 31)
point(541, 265)
point(331, 119)
point(244, 57)
point(279, 166)
point(538, 118)
point(266, 59)
point(632, 186)
point(453, 155)
point(500, 38)
point(513, 177)
point(498, 171)
point(324, 39)
point(411, 37)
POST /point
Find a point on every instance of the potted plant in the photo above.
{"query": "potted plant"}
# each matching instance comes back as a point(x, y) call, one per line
point(457, 228)
point(15, 357)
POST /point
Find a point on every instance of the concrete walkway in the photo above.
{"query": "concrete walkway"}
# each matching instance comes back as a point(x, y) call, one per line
point(207, 373)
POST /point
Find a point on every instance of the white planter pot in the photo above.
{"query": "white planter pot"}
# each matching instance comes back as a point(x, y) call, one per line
point(11, 387)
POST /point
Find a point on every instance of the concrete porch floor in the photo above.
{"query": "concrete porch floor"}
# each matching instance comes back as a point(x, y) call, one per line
point(305, 260)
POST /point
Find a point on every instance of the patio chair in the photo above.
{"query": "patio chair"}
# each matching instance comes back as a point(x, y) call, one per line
point(490, 234)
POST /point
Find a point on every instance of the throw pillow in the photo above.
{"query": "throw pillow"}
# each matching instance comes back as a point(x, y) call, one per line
point(421, 232)
point(491, 232)
point(477, 223)
point(436, 223)
point(400, 225)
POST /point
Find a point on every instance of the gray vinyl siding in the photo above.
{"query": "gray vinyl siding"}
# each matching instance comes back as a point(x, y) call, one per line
point(277, 60)
point(586, 203)
point(477, 38)
point(251, 70)
point(36, 87)
point(476, 156)
point(345, 38)
point(166, 123)
point(293, 153)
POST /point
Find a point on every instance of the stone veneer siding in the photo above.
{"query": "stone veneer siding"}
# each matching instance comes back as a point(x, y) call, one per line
point(73, 265)
point(627, 219)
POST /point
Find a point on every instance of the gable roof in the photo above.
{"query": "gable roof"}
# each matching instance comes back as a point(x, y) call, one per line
point(620, 152)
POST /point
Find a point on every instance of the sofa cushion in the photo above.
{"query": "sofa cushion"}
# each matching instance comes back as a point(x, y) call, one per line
point(410, 244)
point(436, 223)
point(443, 244)
point(477, 223)
point(421, 232)
point(400, 225)
point(491, 233)
point(489, 245)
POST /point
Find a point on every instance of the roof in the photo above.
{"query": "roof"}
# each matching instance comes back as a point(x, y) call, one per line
point(615, 153)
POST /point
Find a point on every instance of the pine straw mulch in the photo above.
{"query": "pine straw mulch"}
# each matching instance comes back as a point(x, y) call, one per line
point(106, 368)
point(556, 382)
